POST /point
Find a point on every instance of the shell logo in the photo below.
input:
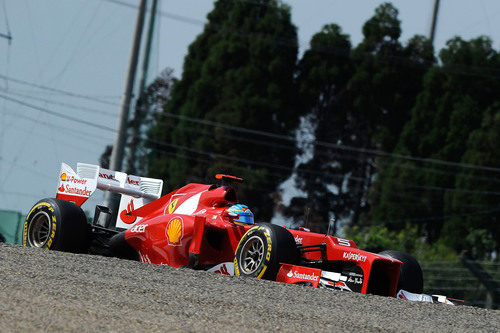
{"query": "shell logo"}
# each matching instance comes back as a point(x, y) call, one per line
point(63, 176)
point(175, 231)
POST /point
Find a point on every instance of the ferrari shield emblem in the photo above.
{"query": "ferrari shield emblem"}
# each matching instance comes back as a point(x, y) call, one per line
point(172, 205)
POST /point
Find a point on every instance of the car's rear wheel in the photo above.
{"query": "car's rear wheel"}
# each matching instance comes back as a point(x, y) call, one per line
point(410, 276)
point(262, 249)
point(56, 224)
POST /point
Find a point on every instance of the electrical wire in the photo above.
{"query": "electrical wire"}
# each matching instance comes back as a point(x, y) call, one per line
point(63, 92)
point(69, 105)
point(230, 158)
point(329, 145)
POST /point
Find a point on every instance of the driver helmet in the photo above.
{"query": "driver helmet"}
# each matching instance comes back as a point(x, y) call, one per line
point(241, 213)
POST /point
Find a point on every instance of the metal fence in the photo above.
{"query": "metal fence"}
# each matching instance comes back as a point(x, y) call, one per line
point(478, 283)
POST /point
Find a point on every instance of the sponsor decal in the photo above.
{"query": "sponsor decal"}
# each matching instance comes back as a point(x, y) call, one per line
point(109, 176)
point(75, 190)
point(73, 179)
point(172, 205)
point(269, 244)
point(355, 280)
point(303, 276)
point(175, 231)
point(298, 240)
point(401, 295)
point(74, 186)
point(222, 270)
point(140, 228)
point(132, 181)
point(354, 256)
point(342, 286)
point(124, 214)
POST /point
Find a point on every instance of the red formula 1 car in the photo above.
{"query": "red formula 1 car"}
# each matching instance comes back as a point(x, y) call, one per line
point(203, 227)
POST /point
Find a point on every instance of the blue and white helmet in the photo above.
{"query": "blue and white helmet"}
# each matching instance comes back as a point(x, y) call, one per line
point(241, 213)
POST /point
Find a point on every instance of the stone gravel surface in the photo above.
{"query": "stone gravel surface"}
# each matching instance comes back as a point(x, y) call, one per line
point(48, 291)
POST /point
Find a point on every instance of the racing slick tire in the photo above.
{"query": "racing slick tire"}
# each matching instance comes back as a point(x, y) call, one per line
point(410, 276)
point(55, 224)
point(261, 250)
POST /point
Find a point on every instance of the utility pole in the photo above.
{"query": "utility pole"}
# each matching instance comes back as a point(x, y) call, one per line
point(119, 143)
point(140, 109)
point(432, 32)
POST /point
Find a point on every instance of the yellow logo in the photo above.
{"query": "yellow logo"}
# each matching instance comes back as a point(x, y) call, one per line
point(63, 177)
point(171, 206)
point(175, 231)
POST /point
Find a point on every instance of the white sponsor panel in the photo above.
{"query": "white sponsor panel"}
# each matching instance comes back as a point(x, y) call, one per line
point(136, 191)
point(151, 188)
point(71, 184)
point(334, 276)
point(189, 206)
point(406, 295)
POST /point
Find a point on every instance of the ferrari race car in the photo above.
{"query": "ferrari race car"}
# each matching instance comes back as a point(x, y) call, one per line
point(203, 227)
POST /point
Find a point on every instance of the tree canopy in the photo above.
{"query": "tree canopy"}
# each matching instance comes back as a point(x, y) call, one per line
point(398, 145)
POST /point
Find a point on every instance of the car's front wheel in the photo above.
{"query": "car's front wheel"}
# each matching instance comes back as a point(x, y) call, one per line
point(261, 250)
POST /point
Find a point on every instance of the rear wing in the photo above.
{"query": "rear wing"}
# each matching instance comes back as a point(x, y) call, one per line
point(136, 191)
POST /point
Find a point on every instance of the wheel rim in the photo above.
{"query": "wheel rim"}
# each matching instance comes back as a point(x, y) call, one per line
point(39, 229)
point(252, 255)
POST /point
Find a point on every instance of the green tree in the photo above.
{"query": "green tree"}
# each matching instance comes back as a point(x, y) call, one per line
point(322, 76)
point(359, 98)
point(239, 72)
point(474, 227)
point(451, 106)
point(383, 90)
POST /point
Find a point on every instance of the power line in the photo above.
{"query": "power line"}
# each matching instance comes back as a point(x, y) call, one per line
point(231, 158)
point(328, 144)
point(431, 218)
point(292, 146)
point(73, 106)
point(57, 114)
point(64, 92)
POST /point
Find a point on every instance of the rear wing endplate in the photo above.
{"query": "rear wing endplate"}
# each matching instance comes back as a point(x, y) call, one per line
point(80, 185)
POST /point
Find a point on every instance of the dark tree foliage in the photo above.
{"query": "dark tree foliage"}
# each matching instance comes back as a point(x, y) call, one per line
point(322, 76)
point(361, 98)
point(474, 209)
point(451, 106)
point(238, 72)
point(382, 92)
point(241, 76)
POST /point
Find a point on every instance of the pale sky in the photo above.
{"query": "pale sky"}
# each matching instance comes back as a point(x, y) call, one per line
point(69, 58)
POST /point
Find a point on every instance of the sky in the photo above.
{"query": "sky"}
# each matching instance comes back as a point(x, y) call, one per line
point(63, 74)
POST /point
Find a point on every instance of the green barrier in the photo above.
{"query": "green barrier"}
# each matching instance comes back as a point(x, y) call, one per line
point(11, 226)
